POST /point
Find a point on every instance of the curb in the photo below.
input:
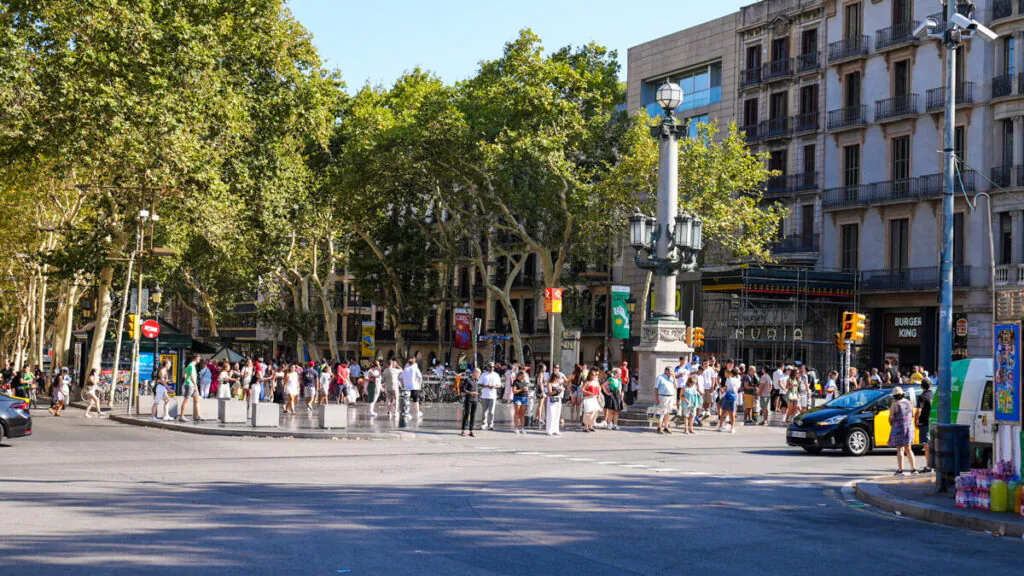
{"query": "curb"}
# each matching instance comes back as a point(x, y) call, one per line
point(262, 433)
point(872, 492)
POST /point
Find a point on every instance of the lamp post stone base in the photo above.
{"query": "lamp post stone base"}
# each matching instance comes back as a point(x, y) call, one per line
point(662, 343)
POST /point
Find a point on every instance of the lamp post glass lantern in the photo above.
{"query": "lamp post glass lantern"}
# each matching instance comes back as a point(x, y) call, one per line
point(669, 97)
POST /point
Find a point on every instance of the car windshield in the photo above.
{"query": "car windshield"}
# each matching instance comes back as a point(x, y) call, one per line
point(857, 399)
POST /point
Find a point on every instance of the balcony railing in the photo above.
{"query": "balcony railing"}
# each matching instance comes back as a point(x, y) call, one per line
point(1020, 81)
point(847, 117)
point(795, 244)
point(896, 107)
point(790, 183)
point(752, 132)
point(807, 62)
point(855, 47)
point(1002, 176)
point(1010, 274)
point(900, 279)
point(777, 69)
point(806, 122)
point(775, 128)
point(1002, 85)
point(936, 97)
point(895, 35)
point(804, 181)
point(904, 189)
point(1002, 9)
point(776, 186)
point(750, 76)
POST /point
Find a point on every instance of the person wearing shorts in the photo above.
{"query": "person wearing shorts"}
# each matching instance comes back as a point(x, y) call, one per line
point(666, 390)
point(708, 378)
point(190, 390)
point(691, 404)
point(521, 400)
point(160, 393)
point(412, 379)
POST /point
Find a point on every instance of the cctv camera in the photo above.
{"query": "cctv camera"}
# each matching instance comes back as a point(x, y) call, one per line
point(924, 29)
point(970, 25)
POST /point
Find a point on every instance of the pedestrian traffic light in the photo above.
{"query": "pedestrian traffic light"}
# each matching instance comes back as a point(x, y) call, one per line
point(858, 326)
point(839, 342)
point(133, 326)
point(697, 339)
point(847, 333)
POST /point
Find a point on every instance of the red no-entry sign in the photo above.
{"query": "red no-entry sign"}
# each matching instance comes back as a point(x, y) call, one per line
point(150, 328)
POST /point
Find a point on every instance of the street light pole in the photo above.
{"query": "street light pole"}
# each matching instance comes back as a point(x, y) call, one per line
point(950, 41)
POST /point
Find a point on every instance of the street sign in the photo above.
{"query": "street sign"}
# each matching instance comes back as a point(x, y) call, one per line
point(150, 328)
point(553, 300)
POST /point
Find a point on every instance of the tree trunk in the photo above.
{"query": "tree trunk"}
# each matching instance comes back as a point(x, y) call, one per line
point(41, 318)
point(99, 332)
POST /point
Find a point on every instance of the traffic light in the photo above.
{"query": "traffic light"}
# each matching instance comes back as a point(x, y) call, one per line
point(133, 326)
point(858, 326)
point(697, 338)
point(840, 344)
point(847, 326)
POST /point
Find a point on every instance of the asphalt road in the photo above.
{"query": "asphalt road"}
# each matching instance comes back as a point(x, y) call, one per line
point(97, 497)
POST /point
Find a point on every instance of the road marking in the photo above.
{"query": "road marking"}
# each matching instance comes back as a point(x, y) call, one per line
point(666, 470)
point(634, 466)
point(529, 453)
point(554, 455)
point(609, 463)
point(581, 459)
point(692, 473)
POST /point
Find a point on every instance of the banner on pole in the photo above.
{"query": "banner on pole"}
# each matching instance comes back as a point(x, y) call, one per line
point(620, 312)
point(553, 300)
point(368, 344)
point(463, 328)
point(1007, 373)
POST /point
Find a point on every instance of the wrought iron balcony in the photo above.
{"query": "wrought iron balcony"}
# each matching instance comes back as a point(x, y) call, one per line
point(900, 190)
point(848, 48)
point(1002, 176)
point(804, 181)
point(752, 132)
point(807, 62)
point(806, 122)
point(910, 279)
point(936, 97)
point(895, 35)
point(750, 76)
point(796, 244)
point(1002, 85)
point(896, 107)
point(776, 186)
point(775, 128)
point(777, 69)
point(848, 117)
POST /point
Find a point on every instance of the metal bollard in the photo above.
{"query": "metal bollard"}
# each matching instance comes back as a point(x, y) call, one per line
point(403, 409)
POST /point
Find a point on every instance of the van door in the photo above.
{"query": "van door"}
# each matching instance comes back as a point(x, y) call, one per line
point(981, 429)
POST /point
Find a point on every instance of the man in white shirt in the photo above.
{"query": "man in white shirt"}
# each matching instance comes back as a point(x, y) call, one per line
point(708, 378)
point(205, 380)
point(489, 385)
point(412, 380)
point(682, 374)
point(779, 378)
point(510, 376)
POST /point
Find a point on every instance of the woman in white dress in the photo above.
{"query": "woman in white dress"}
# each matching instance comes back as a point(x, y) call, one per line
point(291, 389)
point(554, 392)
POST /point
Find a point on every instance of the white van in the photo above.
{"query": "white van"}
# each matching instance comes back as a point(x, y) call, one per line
point(973, 405)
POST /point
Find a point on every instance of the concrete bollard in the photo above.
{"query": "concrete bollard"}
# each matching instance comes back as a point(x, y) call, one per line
point(231, 411)
point(144, 406)
point(332, 416)
point(265, 414)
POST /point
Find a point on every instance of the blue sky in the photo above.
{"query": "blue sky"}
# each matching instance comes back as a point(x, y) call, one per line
point(378, 41)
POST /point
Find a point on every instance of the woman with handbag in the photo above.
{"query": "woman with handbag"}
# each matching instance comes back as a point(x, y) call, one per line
point(554, 401)
point(612, 391)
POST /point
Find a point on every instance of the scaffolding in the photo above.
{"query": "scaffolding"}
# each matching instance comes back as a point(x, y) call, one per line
point(764, 315)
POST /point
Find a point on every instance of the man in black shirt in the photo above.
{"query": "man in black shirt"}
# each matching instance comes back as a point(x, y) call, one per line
point(470, 394)
point(923, 417)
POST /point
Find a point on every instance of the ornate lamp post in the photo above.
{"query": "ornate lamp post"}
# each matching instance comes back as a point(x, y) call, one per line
point(666, 244)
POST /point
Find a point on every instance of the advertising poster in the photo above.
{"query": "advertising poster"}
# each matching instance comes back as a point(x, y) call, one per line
point(146, 366)
point(620, 312)
point(463, 335)
point(1007, 373)
point(368, 346)
point(173, 359)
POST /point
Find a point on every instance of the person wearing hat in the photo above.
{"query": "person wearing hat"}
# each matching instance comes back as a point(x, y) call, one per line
point(489, 384)
point(901, 418)
point(310, 378)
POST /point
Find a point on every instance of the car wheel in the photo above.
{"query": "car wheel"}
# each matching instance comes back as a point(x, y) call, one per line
point(857, 443)
point(1, 433)
point(812, 449)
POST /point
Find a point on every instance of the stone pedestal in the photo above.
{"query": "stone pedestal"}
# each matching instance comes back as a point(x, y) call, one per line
point(231, 411)
point(265, 415)
point(144, 405)
point(662, 343)
point(332, 416)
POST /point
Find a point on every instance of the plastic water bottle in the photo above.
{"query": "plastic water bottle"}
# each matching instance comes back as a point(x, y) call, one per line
point(998, 494)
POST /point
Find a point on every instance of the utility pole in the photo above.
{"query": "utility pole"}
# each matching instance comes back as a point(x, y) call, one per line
point(951, 40)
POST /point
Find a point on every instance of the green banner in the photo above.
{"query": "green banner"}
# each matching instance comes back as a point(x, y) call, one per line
point(620, 312)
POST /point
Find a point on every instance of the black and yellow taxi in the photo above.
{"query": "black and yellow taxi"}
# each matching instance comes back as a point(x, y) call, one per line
point(856, 423)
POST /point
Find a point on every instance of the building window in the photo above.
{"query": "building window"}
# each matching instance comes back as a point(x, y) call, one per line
point(750, 112)
point(753, 57)
point(692, 123)
point(777, 161)
point(810, 157)
point(852, 92)
point(959, 146)
point(1007, 142)
point(807, 224)
point(851, 21)
point(780, 49)
point(850, 246)
point(901, 78)
point(900, 163)
point(899, 243)
point(1005, 238)
point(809, 99)
point(851, 166)
point(778, 105)
point(701, 87)
point(809, 41)
point(1009, 55)
point(900, 12)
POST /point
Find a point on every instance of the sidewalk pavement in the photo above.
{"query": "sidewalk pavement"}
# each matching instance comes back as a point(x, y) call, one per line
point(917, 499)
